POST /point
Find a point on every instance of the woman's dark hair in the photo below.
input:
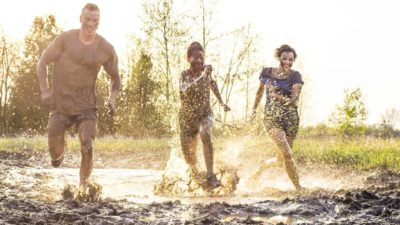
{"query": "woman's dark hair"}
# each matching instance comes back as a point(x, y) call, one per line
point(284, 48)
point(194, 46)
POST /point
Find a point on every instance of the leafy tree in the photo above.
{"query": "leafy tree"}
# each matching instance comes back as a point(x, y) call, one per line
point(28, 115)
point(165, 30)
point(9, 56)
point(142, 115)
point(349, 118)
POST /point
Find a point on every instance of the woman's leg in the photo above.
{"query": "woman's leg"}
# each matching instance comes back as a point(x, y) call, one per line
point(278, 136)
point(189, 145)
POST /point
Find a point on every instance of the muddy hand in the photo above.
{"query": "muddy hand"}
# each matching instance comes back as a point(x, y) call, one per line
point(112, 111)
point(46, 98)
point(226, 107)
point(208, 69)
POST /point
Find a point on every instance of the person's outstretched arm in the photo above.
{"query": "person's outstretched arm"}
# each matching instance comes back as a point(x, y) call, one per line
point(215, 89)
point(111, 67)
point(50, 54)
point(41, 71)
point(259, 94)
point(294, 97)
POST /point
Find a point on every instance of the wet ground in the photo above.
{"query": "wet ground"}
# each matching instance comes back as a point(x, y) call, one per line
point(31, 193)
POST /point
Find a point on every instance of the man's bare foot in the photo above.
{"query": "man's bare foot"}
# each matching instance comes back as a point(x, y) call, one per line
point(57, 163)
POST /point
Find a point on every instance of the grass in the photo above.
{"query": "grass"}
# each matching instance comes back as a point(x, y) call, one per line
point(107, 144)
point(361, 153)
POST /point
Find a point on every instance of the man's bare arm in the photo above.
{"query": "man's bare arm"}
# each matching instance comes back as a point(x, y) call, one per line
point(41, 71)
point(115, 85)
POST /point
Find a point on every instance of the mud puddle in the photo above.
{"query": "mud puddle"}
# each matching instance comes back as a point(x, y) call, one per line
point(30, 193)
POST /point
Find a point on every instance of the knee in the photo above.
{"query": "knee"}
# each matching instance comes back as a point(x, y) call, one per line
point(190, 158)
point(205, 135)
point(87, 146)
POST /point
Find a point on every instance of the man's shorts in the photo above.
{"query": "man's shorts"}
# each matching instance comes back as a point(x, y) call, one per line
point(59, 123)
point(283, 117)
point(191, 126)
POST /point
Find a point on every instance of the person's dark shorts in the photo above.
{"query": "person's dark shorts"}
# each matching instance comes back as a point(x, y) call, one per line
point(58, 123)
point(190, 126)
point(283, 117)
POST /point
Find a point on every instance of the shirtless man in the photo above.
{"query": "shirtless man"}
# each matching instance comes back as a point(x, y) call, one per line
point(77, 56)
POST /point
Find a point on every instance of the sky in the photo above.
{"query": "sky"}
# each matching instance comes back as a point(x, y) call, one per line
point(341, 44)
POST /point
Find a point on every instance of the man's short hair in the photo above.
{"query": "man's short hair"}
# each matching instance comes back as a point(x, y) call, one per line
point(91, 7)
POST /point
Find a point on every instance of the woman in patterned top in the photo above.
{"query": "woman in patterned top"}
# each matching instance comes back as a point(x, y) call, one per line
point(283, 87)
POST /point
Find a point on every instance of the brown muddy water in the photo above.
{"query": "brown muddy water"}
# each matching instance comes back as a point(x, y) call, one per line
point(31, 193)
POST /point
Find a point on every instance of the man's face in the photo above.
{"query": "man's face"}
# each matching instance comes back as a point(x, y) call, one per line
point(196, 60)
point(89, 21)
point(287, 59)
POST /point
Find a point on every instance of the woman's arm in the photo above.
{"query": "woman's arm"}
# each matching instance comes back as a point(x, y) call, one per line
point(258, 98)
point(296, 90)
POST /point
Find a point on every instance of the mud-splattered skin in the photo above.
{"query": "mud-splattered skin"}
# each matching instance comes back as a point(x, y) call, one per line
point(77, 56)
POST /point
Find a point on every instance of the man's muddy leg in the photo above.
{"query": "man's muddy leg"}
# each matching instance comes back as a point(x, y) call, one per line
point(57, 126)
point(279, 138)
point(56, 149)
point(87, 132)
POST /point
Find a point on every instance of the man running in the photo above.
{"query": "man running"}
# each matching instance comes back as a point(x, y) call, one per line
point(77, 56)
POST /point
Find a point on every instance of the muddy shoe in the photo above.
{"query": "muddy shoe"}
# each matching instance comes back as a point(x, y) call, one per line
point(57, 163)
point(213, 182)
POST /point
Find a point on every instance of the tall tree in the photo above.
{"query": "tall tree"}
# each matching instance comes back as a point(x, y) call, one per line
point(9, 56)
point(164, 28)
point(142, 95)
point(241, 60)
point(28, 115)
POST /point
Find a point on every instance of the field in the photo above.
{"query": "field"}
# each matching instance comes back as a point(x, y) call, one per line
point(353, 181)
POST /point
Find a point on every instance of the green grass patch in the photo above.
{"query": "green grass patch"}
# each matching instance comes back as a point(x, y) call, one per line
point(368, 153)
point(107, 144)
point(361, 153)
